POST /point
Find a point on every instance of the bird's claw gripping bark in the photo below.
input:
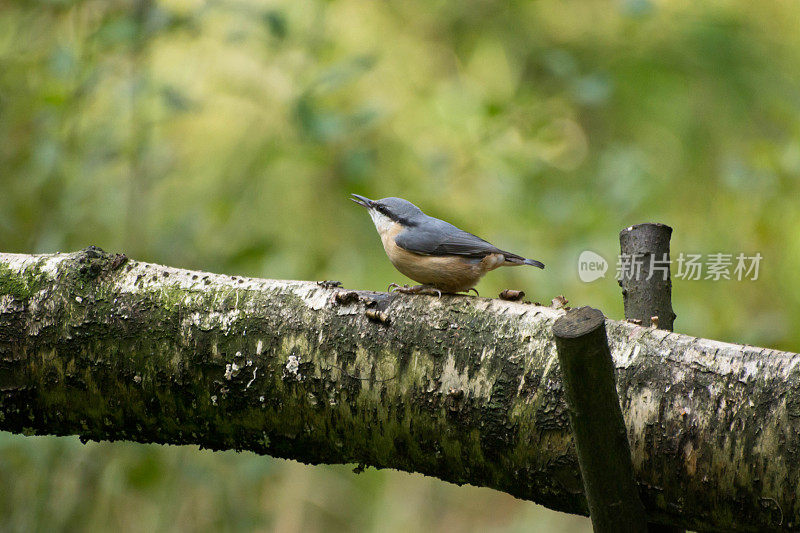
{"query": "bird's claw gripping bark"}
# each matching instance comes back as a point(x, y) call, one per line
point(428, 290)
point(395, 286)
point(416, 289)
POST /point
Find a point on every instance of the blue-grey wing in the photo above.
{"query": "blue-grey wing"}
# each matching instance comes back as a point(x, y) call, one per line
point(437, 237)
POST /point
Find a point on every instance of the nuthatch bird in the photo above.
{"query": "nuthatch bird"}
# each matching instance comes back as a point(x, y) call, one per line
point(437, 254)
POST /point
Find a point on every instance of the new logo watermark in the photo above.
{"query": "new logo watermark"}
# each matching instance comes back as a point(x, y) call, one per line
point(591, 266)
point(691, 267)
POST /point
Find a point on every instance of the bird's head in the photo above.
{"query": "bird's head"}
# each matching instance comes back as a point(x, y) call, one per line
point(387, 211)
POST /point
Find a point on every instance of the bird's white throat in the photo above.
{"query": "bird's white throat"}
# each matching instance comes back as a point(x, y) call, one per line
point(381, 221)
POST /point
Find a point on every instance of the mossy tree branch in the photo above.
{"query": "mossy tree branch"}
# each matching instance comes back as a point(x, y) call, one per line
point(464, 389)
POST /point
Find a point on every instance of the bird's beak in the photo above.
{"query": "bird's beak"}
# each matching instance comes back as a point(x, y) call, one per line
point(362, 200)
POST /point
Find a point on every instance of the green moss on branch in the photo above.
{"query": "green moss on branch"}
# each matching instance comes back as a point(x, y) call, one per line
point(464, 389)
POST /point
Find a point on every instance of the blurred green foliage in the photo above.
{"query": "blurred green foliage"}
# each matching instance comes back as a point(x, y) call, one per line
point(225, 135)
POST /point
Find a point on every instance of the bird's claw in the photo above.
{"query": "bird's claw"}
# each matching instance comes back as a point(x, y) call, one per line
point(473, 289)
point(431, 290)
point(416, 289)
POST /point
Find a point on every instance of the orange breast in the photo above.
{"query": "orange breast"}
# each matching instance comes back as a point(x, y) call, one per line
point(447, 273)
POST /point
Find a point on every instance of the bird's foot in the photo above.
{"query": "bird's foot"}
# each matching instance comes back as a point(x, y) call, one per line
point(395, 286)
point(425, 289)
point(416, 289)
point(473, 289)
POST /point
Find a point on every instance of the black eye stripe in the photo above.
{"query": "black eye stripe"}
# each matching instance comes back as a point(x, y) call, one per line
point(384, 210)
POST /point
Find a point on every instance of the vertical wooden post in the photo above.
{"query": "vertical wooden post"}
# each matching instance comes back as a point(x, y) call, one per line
point(601, 438)
point(646, 283)
point(645, 275)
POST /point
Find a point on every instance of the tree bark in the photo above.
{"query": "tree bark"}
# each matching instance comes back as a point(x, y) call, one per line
point(647, 293)
point(598, 429)
point(646, 281)
point(464, 389)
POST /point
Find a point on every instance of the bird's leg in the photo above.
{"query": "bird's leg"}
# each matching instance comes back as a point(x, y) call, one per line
point(417, 289)
point(427, 289)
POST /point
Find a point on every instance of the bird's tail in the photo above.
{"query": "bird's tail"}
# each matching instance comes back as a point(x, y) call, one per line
point(515, 259)
point(533, 262)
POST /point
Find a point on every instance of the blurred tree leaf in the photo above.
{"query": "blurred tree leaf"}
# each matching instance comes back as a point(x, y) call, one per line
point(276, 23)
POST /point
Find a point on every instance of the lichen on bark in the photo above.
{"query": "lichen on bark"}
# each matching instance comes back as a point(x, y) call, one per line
point(464, 389)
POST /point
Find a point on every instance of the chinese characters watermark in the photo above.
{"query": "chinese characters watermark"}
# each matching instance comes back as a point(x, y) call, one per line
point(689, 267)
